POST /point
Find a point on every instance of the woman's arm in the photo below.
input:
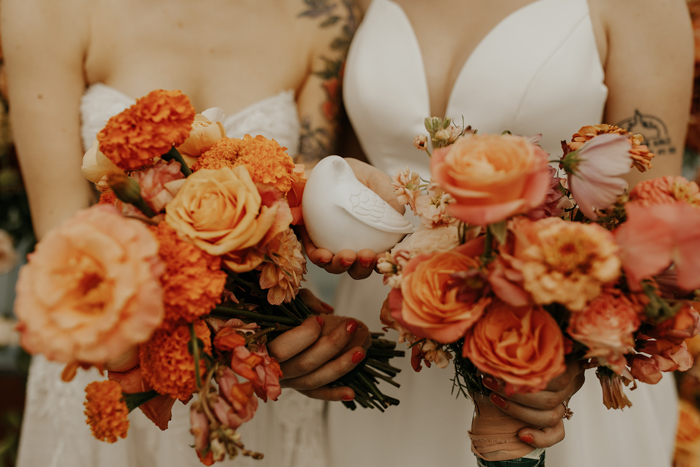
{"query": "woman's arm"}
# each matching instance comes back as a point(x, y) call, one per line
point(44, 45)
point(649, 74)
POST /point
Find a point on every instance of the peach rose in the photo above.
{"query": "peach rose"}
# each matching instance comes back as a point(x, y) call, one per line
point(491, 177)
point(90, 291)
point(221, 211)
point(96, 165)
point(522, 346)
point(204, 134)
point(431, 303)
point(606, 327)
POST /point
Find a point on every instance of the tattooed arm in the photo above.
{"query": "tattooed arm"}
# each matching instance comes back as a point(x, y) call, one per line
point(320, 96)
point(649, 72)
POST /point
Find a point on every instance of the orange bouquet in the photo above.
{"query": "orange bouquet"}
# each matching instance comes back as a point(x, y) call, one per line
point(190, 257)
point(516, 269)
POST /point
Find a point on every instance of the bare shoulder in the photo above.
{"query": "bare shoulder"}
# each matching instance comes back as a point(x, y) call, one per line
point(669, 15)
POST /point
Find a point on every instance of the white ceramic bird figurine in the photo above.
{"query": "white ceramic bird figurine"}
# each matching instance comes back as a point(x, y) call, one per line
point(341, 213)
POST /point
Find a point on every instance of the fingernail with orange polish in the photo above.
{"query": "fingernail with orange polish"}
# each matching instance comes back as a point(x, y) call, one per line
point(357, 357)
point(490, 383)
point(527, 439)
point(346, 263)
point(319, 320)
point(352, 327)
point(498, 400)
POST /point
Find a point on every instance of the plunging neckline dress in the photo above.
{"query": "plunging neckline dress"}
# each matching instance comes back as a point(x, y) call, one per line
point(537, 71)
point(54, 432)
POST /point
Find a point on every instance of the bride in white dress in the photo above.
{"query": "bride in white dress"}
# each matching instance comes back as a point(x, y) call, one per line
point(272, 65)
point(545, 66)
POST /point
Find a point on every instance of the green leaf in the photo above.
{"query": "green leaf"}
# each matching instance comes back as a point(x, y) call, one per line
point(136, 399)
point(499, 231)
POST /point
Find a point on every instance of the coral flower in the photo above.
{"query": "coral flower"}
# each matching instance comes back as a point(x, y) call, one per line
point(666, 190)
point(430, 303)
point(491, 177)
point(595, 172)
point(90, 291)
point(160, 183)
point(556, 261)
point(167, 364)
point(264, 158)
point(654, 237)
point(147, 129)
point(281, 276)
point(193, 280)
point(106, 411)
point(522, 346)
point(688, 436)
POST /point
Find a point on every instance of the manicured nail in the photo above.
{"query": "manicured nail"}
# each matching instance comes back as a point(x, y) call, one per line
point(346, 263)
point(352, 327)
point(366, 263)
point(527, 439)
point(327, 307)
point(324, 260)
point(498, 400)
point(319, 320)
point(348, 398)
point(490, 383)
point(357, 357)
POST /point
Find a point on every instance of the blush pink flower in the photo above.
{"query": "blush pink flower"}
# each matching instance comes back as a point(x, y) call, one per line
point(644, 368)
point(406, 187)
point(656, 236)
point(552, 204)
point(90, 291)
point(238, 403)
point(666, 190)
point(595, 172)
point(260, 369)
point(606, 327)
point(433, 207)
point(159, 183)
point(491, 177)
point(199, 427)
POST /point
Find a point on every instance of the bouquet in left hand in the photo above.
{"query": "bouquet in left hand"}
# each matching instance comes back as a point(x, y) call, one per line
point(191, 258)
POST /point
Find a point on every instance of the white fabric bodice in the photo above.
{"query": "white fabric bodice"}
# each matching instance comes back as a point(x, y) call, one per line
point(54, 432)
point(537, 71)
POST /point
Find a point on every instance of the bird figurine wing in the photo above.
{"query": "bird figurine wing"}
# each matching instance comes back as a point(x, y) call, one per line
point(369, 208)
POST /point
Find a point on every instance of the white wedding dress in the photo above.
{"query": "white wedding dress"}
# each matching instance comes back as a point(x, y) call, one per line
point(54, 433)
point(537, 71)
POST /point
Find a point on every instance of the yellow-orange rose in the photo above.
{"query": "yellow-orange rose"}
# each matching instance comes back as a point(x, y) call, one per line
point(202, 137)
point(221, 211)
point(491, 177)
point(90, 291)
point(96, 165)
point(433, 302)
point(522, 346)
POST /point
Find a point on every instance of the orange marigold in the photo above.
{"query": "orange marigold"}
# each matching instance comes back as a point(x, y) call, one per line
point(166, 362)
point(147, 129)
point(106, 410)
point(108, 197)
point(641, 157)
point(264, 158)
point(193, 281)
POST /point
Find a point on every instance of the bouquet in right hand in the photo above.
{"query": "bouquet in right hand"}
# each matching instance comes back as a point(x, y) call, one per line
point(516, 268)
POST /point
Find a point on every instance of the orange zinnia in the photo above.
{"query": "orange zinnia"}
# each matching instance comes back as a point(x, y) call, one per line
point(147, 129)
point(264, 158)
point(193, 281)
point(167, 364)
point(640, 154)
point(106, 410)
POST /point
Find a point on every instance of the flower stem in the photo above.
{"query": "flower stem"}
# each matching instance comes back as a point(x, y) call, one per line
point(174, 155)
point(195, 355)
point(227, 312)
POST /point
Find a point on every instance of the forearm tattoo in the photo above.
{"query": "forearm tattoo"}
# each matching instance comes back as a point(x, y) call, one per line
point(316, 141)
point(654, 130)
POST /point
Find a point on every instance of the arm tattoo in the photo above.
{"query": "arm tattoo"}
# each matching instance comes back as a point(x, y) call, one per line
point(315, 143)
point(654, 131)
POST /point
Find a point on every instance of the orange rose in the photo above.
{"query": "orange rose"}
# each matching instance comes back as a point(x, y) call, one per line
point(522, 346)
point(491, 177)
point(90, 291)
point(435, 304)
point(221, 211)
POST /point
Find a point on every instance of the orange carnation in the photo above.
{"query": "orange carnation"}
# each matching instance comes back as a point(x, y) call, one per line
point(193, 281)
point(106, 410)
point(167, 364)
point(666, 190)
point(147, 129)
point(522, 346)
point(264, 158)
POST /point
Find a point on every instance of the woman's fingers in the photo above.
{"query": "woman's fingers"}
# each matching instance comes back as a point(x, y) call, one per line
point(324, 349)
point(314, 303)
point(544, 437)
point(327, 393)
point(542, 400)
point(327, 373)
point(540, 418)
point(290, 343)
point(319, 256)
point(364, 265)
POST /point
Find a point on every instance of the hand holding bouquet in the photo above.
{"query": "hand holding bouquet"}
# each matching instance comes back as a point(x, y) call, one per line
point(516, 269)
